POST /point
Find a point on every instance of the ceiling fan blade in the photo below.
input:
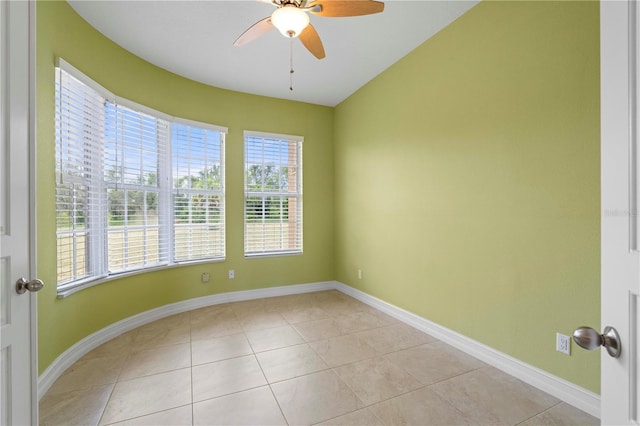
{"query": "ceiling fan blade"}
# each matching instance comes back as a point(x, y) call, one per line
point(337, 8)
point(253, 32)
point(311, 40)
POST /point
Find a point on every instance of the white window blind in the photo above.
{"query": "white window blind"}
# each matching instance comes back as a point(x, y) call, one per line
point(198, 193)
point(118, 207)
point(135, 175)
point(273, 194)
point(79, 135)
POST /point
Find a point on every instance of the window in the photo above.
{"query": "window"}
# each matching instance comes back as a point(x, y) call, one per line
point(198, 199)
point(135, 188)
point(79, 132)
point(134, 170)
point(273, 194)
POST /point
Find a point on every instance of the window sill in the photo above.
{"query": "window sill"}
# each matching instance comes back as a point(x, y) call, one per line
point(69, 289)
point(274, 254)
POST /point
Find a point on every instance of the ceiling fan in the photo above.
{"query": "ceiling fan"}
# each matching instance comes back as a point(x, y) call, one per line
point(292, 20)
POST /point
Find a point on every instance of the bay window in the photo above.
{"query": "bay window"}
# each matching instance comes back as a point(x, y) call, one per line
point(135, 188)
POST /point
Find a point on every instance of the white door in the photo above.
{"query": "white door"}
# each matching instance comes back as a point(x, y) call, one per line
point(18, 391)
point(620, 203)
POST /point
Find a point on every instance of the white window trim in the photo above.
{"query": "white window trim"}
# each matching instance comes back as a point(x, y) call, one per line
point(280, 136)
point(221, 192)
point(266, 135)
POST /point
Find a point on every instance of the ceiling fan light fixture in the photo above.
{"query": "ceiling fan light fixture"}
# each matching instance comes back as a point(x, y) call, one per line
point(290, 20)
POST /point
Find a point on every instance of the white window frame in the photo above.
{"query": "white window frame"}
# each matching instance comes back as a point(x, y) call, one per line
point(163, 127)
point(215, 192)
point(297, 194)
point(97, 249)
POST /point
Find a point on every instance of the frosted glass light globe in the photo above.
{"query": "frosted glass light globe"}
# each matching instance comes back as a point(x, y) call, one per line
point(290, 20)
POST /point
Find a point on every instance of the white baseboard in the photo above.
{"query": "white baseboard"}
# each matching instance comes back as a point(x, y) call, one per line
point(564, 390)
point(84, 346)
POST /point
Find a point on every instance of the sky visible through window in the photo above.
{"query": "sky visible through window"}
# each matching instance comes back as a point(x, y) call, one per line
point(194, 151)
point(131, 146)
point(264, 150)
point(267, 163)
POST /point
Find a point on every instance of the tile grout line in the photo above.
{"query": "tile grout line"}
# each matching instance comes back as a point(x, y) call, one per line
point(193, 409)
point(149, 414)
point(104, 410)
point(267, 380)
point(541, 412)
point(143, 349)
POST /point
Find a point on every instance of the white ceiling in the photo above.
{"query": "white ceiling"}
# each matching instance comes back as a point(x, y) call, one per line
point(195, 39)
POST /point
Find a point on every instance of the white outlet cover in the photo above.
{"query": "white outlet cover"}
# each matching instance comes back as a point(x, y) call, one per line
point(563, 343)
point(232, 274)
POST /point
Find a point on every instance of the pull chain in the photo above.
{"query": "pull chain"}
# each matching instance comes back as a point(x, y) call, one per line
point(291, 63)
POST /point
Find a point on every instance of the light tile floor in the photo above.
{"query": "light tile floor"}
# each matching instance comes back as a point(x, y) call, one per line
point(317, 358)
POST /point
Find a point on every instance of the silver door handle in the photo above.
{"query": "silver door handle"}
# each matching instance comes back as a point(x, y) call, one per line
point(588, 338)
point(22, 285)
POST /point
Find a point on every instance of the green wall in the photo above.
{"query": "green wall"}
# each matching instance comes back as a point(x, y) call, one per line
point(62, 322)
point(468, 181)
point(463, 181)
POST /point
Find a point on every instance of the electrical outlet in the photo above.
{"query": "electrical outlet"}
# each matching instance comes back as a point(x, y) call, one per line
point(232, 274)
point(563, 344)
point(359, 274)
point(205, 277)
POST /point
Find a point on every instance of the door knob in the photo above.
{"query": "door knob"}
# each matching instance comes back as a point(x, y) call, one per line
point(22, 285)
point(588, 338)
